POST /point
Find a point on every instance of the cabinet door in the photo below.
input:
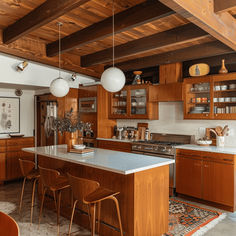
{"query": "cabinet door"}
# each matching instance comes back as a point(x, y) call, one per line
point(188, 176)
point(13, 166)
point(2, 166)
point(218, 182)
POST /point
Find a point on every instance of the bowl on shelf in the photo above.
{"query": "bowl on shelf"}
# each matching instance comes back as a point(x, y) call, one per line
point(223, 87)
point(79, 146)
point(217, 87)
point(221, 99)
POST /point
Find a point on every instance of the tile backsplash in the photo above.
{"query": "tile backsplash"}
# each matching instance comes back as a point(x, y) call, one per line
point(171, 121)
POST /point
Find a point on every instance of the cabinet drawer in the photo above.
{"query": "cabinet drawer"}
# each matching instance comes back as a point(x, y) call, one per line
point(218, 157)
point(188, 153)
point(20, 141)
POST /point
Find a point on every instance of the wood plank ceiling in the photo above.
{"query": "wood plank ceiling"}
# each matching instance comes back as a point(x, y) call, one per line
point(147, 33)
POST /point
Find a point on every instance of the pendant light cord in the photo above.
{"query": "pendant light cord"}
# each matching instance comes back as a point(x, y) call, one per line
point(113, 34)
point(59, 47)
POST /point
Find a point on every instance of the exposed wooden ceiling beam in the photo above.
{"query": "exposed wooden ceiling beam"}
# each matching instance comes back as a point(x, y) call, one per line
point(46, 12)
point(34, 50)
point(140, 14)
point(201, 12)
point(168, 38)
point(220, 6)
point(185, 54)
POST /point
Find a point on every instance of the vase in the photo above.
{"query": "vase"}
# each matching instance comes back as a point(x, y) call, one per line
point(223, 69)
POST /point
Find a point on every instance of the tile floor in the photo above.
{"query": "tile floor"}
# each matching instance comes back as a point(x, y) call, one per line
point(9, 201)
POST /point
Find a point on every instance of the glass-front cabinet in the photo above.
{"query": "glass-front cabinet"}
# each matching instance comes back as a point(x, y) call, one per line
point(224, 98)
point(210, 97)
point(119, 104)
point(134, 102)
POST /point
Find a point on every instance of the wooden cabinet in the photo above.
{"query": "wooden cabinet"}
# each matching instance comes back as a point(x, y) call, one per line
point(169, 92)
point(134, 102)
point(10, 154)
point(170, 73)
point(206, 175)
point(189, 171)
point(210, 97)
point(115, 145)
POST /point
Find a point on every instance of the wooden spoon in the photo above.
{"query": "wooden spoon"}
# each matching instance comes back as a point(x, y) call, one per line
point(219, 130)
point(225, 130)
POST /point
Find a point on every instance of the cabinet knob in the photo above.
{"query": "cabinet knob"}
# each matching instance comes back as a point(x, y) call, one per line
point(206, 166)
point(206, 114)
point(216, 114)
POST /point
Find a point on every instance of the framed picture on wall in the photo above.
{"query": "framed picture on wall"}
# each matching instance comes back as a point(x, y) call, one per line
point(9, 115)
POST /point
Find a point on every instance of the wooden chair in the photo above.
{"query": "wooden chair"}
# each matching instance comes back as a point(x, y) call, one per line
point(8, 226)
point(30, 173)
point(90, 193)
point(53, 181)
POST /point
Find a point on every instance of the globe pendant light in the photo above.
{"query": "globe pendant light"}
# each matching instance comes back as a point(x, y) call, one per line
point(113, 79)
point(59, 87)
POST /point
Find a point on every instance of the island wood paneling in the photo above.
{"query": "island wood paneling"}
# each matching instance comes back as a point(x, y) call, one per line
point(143, 198)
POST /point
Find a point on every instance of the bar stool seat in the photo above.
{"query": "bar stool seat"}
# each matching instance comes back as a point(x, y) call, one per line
point(53, 181)
point(91, 193)
point(30, 173)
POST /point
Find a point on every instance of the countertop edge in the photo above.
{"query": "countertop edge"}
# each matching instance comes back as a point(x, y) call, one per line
point(214, 149)
point(132, 171)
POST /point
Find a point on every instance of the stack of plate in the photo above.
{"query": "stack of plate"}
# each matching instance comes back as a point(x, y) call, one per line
point(198, 110)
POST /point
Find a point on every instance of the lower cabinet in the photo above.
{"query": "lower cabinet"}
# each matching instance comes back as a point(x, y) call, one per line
point(9, 157)
point(218, 182)
point(206, 176)
point(188, 172)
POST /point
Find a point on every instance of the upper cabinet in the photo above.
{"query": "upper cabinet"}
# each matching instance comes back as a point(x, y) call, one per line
point(210, 97)
point(134, 102)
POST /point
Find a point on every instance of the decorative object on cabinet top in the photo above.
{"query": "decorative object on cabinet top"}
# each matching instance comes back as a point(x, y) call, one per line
point(223, 69)
point(199, 69)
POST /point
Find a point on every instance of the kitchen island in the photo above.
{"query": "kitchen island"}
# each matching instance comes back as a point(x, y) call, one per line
point(143, 183)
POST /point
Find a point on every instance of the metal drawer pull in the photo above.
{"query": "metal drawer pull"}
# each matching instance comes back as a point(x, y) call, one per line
point(227, 160)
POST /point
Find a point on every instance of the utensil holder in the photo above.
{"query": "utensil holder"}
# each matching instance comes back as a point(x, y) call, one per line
point(220, 141)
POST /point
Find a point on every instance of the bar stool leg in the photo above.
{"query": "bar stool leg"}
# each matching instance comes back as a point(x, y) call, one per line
point(99, 216)
point(32, 201)
point(72, 216)
point(55, 199)
point(58, 212)
point(118, 213)
point(21, 196)
point(93, 218)
point(41, 207)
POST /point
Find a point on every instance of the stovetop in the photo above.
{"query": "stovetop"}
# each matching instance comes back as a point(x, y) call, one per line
point(161, 144)
point(156, 142)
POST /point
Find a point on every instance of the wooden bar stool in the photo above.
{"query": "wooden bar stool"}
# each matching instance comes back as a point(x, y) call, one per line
point(30, 173)
point(8, 226)
point(90, 193)
point(53, 181)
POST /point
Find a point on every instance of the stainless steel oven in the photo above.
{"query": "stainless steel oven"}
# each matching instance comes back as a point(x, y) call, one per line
point(88, 104)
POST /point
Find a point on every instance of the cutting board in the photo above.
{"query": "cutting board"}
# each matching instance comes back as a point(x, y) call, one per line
point(81, 151)
point(211, 135)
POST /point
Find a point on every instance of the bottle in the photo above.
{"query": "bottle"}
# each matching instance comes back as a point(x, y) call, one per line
point(147, 134)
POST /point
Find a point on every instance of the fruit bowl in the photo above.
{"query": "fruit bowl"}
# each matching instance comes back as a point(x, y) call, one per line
point(204, 142)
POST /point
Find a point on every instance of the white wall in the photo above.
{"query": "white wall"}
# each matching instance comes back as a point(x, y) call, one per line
point(26, 110)
point(35, 74)
point(171, 121)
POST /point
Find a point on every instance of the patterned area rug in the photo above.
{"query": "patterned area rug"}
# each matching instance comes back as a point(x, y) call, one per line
point(186, 219)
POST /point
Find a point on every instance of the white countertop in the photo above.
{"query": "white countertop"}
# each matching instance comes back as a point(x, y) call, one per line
point(114, 161)
point(116, 140)
point(225, 150)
